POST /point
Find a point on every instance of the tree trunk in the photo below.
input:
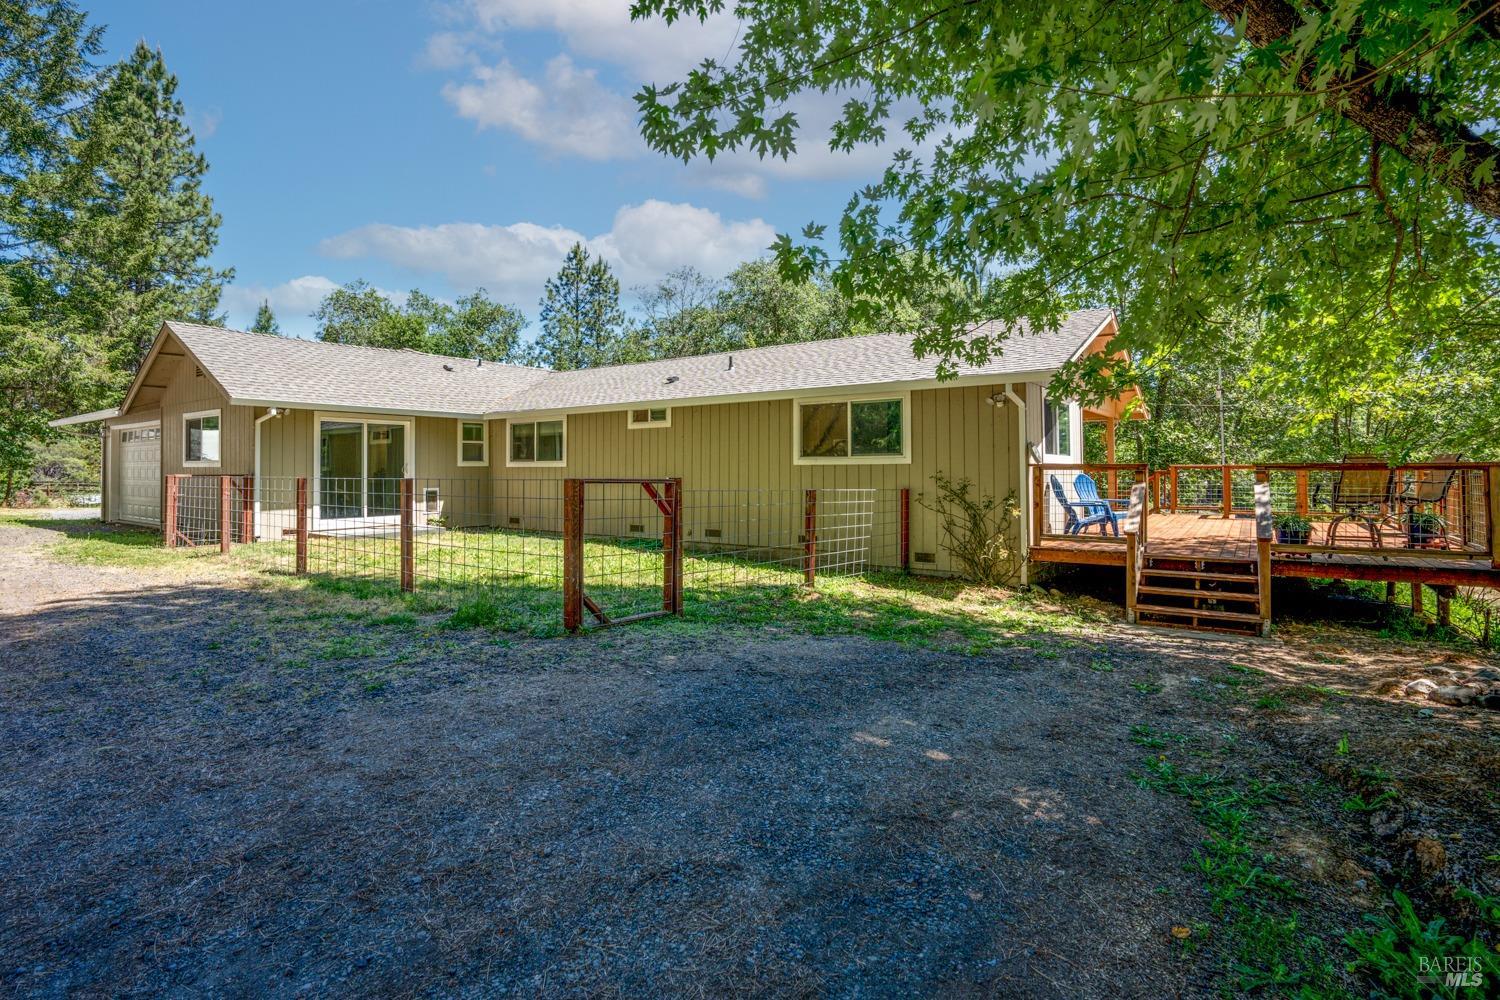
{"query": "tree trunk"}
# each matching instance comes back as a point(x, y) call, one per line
point(1393, 118)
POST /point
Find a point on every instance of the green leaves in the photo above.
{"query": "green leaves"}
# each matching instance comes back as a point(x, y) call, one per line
point(1058, 162)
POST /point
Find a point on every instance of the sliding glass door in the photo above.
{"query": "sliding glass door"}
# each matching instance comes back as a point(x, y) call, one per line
point(360, 467)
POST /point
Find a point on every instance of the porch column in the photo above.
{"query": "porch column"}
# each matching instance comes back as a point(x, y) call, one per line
point(1109, 456)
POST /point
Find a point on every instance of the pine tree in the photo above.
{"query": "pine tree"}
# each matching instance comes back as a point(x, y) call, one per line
point(265, 319)
point(144, 230)
point(582, 324)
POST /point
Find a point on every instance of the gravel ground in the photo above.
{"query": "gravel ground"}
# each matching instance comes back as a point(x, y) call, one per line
point(631, 812)
point(209, 787)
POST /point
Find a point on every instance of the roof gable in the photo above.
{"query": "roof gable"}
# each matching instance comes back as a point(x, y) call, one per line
point(266, 369)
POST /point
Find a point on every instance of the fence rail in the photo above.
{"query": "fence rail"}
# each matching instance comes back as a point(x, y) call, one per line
point(614, 551)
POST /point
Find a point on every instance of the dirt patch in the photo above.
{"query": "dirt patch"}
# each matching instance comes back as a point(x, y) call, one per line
point(213, 787)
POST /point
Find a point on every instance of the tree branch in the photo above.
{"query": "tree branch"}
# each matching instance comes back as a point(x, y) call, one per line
point(1391, 117)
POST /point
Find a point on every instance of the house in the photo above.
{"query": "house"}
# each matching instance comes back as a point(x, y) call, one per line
point(854, 412)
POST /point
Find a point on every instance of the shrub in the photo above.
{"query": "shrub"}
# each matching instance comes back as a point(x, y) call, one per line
point(976, 530)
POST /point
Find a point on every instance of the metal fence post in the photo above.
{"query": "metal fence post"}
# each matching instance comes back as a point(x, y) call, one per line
point(226, 516)
point(905, 543)
point(810, 537)
point(572, 554)
point(408, 516)
point(1228, 487)
point(169, 519)
point(301, 525)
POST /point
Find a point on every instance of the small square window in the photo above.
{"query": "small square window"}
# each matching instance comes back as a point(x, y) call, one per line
point(473, 443)
point(200, 438)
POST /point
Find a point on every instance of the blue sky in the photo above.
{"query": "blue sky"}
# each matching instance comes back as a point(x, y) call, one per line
point(458, 144)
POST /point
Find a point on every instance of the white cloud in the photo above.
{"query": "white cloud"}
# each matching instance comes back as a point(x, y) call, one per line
point(299, 296)
point(650, 50)
point(568, 111)
point(644, 243)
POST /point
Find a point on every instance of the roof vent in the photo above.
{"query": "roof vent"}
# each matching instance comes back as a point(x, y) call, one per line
point(671, 379)
point(731, 362)
point(447, 368)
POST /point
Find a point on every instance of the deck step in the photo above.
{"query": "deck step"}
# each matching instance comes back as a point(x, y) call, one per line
point(1223, 616)
point(1212, 595)
point(1193, 574)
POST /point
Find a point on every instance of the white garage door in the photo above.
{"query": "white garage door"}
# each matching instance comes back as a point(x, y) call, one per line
point(137, 495)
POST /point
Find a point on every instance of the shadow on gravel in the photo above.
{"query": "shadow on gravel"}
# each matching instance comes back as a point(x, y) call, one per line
point(193, 801)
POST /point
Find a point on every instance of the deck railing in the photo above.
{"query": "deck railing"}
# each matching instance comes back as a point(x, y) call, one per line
point(1064, 505)
point(1427, 508)
point(1440, 509)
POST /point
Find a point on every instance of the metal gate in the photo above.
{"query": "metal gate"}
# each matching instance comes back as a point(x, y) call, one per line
point(622, 550)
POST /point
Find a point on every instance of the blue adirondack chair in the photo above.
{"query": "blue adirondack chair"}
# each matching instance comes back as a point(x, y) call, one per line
point(1087, 509)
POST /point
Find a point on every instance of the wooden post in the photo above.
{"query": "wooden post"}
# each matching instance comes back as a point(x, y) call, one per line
point(301, 525)
point(1113, 475)
point(1132, 561)
point(247, 508)
point(572, 554)
point(810, 537)
point(1416, 599)
point(408, 518)
point(1038, 505)
point(1172, 504)
point(1390, 591)
point(1228, 486)
point(169, 521)
point(1302, 503)
point(1492, 491)
point(904, 549)
point(1265, 531)
point(226, 516)
point(1444, 605)
point(671, 547)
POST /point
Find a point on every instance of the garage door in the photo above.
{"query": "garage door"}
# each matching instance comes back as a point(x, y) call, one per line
point(137, 496)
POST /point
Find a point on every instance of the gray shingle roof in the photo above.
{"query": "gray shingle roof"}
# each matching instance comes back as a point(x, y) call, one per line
point(822, 364)
point(287, 370)
point(254, 367)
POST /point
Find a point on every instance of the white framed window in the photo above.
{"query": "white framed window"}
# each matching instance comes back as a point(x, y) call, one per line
point(473, 442)
point(537, 442)
point(858, 430)
point(1057, 429)
point(651, 416)
point(200, 439)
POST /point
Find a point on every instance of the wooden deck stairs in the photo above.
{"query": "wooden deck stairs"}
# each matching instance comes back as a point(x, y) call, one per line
point(1199, 594)
point(1223, 593)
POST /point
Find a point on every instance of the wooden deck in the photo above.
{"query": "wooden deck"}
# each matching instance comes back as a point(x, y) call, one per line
point(1195, 537)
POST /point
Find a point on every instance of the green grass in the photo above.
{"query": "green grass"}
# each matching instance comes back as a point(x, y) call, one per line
point(511, 582)
point(1269, 950)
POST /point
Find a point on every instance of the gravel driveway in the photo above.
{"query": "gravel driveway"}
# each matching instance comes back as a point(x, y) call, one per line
point(206, 789)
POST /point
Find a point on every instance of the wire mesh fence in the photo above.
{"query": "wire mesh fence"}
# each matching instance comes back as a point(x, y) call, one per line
point(641, 545)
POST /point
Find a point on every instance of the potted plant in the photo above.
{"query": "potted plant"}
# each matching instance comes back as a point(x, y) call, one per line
point(1424, 530)
point(1292, 529)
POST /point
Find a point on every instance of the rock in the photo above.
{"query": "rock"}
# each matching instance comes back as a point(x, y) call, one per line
point(1419, 687)
point(1054, 592)
point(1490, 701)
point(1440, 671)
point(1431, 856)
point(1424, 713)
point(1491, 674)
point(1457, 696)
point(1390, 685)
